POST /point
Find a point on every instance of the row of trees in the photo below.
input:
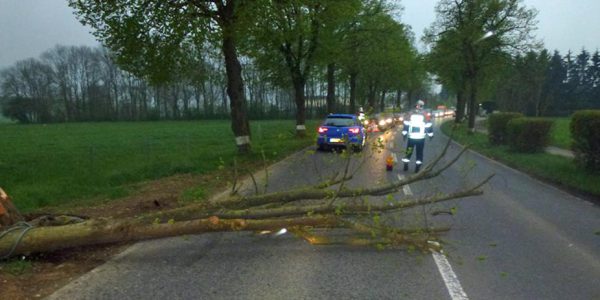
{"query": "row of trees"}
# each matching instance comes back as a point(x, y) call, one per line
point(470, 40)
point(75, 84)
point(483, 52)
point(540, 84)
point(191, 59)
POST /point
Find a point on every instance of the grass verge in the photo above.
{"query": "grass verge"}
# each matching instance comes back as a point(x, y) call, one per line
point(556, 169)
point(58, 164)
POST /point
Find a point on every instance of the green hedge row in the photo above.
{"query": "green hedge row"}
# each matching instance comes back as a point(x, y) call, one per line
point(528, 134)
point(585, 131)
point(497, 126)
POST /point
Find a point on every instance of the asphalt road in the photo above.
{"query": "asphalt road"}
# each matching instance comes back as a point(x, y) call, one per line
point(522, 239)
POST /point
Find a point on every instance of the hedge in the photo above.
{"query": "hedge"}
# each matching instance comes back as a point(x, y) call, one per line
point(585, 132)
point(528, 134)
point(497, 126)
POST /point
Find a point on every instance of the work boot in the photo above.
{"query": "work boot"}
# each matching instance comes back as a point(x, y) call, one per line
point(417, 168)
point(405, 167)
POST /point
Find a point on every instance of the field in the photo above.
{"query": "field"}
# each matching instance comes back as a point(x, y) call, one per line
point(50, 165)
point(560, 134)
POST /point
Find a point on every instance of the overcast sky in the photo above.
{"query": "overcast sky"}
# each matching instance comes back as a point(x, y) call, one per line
point(29, 27)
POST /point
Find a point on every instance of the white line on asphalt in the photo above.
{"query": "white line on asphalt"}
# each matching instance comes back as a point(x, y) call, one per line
point(452, 284)
point(394, 157)
point(406, 187)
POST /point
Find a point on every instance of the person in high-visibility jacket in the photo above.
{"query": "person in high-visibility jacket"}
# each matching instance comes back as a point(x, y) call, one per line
point(416, 129)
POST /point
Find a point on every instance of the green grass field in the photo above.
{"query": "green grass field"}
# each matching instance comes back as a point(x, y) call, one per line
point(560, 134)
point(49, 165)
point(557, 169)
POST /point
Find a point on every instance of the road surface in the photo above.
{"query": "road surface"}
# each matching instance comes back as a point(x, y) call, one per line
point(522, 239)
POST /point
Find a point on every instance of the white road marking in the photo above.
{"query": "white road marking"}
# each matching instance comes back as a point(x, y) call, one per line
point(452, 284)
point(406, 187)
point(450, 279)
point(394, 157)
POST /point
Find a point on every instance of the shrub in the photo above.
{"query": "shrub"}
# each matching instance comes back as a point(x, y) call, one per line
point(528, 134)
point(497, 126)
point(585, 132)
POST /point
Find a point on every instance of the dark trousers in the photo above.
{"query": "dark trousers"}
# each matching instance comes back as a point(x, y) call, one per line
point(410, 148)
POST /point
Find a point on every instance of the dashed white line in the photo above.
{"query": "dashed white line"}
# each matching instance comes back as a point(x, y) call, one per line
point(406, 187)
point(450, 279)
point(452, 283)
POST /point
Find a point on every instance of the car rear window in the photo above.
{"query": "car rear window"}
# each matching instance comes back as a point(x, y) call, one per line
point(339, 122)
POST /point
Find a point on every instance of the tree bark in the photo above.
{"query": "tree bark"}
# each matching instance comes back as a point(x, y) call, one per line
point(472, 105)
point(330, 88)
point(299, 84)
point(106, 231)
point(460, 106)
point(235, 84)
point(353, 77)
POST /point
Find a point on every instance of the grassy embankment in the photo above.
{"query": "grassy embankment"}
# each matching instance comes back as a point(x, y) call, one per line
point(556, 169)
point(80, 164)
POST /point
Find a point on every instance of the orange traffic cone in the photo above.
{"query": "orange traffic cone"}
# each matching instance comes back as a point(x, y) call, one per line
point(389, 163)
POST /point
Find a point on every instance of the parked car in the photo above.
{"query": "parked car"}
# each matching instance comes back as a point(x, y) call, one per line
point(341, 130)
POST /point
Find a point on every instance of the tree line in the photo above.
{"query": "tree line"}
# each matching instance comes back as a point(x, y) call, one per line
point(485, 53)
point(540, 84)
point(80, 84)
point(236, 58)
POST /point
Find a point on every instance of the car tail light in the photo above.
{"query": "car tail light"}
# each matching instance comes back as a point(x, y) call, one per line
point(323, 129)
point(354, 130)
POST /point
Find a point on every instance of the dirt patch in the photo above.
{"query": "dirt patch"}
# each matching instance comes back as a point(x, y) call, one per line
point(38, 276)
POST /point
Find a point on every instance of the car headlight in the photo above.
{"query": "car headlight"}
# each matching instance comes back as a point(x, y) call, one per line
point(382, 122)
point(389, 120)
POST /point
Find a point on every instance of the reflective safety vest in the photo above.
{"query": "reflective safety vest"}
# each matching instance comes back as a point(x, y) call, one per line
point(416, 128)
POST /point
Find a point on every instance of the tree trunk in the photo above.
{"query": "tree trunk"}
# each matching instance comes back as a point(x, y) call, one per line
point(460, 106)
point(106, 231)
point(382, 100)
point(330, 88)
point(371, 97)
point(353, 92)
point(299, 84)
point(472, 105)
point(235, 86)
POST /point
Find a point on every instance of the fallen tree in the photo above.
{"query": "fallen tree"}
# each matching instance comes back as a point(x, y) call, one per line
point(327, 205)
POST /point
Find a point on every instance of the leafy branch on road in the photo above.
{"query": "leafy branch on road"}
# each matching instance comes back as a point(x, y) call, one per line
point(329, 204)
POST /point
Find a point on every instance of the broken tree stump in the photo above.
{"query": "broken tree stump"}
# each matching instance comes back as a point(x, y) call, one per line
point(9, 214)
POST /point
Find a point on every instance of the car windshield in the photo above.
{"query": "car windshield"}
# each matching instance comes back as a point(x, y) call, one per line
point(339, 122)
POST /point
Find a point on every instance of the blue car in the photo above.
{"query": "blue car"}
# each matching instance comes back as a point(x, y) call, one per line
point(340, 130)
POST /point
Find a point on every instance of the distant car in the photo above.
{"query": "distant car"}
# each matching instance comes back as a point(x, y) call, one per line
point(340, 130)
point(428, 114)
point(385, 121)
point(438, 113)
point(398, 118)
